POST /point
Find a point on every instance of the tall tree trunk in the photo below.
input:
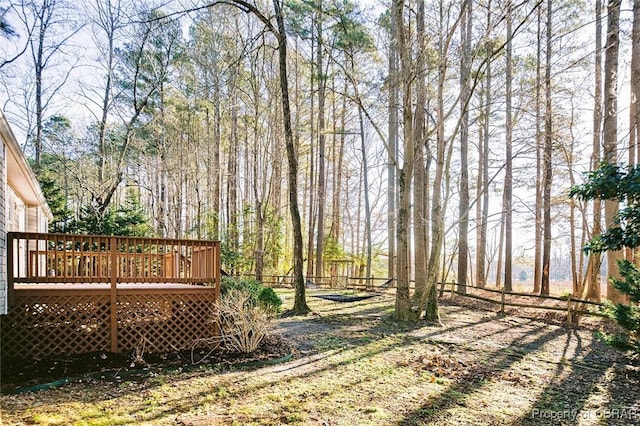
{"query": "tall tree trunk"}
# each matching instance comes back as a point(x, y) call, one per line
point(259, 184)
point(46, 43)
point(508, 179)
point(367, 206)
point(465, 67)
point(162, 172)
point(232, 173)
point(403, 305)
point(368, 246)
point(322, 84)
point(483, 169)
point(163, 199)
point(300, 303)
point(500, 243)
point(635, 75)
point(429, 302)
point(594, 281)
point(44, 15)
point(277, 188)
point(574, 252)
point(393, 145)
point(634, 108)
point(259, 267)
point(338, 172)
point(335, 231)
point(311, 179)
point(420, 223)
point(108, 21)
point(548, 155)
point(480, 231)
point(610, 132)
point(217, 122)
point(537, 262)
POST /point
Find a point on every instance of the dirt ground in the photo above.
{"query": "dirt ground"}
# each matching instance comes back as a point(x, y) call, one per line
point(25, 375)
point(351, 364)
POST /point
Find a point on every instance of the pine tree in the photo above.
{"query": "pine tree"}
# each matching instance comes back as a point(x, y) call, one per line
point(128, 220)
point(621, 184)
point(56, 200)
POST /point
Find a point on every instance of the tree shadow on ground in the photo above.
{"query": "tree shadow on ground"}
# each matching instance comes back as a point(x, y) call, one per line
point(624, 388)
point(345, 351)
point(574, 393)
point(342, 340)
point(435, 408)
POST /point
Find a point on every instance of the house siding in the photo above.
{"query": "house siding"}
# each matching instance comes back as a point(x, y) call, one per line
point(3, 230)
point(16, 213)
point(33, 219)
point(23, 206)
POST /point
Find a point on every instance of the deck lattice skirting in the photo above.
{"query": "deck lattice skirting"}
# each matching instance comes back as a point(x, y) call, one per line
point(66, 296)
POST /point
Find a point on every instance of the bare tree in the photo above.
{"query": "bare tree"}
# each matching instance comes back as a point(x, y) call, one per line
point(300, 303)
point(547, 155)
point(279, 31)
point(429, 303)
point(322, 191)
point(392, 150)
point(403, 304)
point(145, 66)
point(537, 262)
point(594, 280)
point(508, 178)
point(420, 189)
point(463, 211)
point(50, 35)
point(610, 131)
point(9, 32)
point(482, 193)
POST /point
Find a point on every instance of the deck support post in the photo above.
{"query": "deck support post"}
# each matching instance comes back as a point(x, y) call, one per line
point(217, 274)
point(114, 295)
point(10, 280)
point(217, 268)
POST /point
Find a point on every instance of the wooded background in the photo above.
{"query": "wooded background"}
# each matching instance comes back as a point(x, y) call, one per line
point(434, 140)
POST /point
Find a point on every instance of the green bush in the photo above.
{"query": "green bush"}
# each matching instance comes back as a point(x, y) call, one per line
point(626, 315)
point(258, 293)
point(248, 285)
point(270, 299)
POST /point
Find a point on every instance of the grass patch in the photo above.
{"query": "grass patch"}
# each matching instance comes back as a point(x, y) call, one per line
point(354, 366)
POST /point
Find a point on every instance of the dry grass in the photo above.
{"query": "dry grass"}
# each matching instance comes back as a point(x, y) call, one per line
point(242, 325)
point(353, 365)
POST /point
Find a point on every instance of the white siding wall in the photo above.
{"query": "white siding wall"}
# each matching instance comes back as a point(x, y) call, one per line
point(21, 210)
point(3, 231)
point(33, 222)
point(44, 221)
point(17, 222)
point(16, 212)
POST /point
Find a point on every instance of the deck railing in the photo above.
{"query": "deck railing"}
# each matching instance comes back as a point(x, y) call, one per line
point(84, 293)
point(63, 258)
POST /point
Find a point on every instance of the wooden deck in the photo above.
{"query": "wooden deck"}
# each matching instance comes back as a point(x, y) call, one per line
point(76, 294)
point(99, 288)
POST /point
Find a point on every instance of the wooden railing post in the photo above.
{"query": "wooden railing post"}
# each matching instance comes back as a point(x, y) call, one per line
point(569, 318)
point(114, 295)
point(217, 268)
point(10, 280)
